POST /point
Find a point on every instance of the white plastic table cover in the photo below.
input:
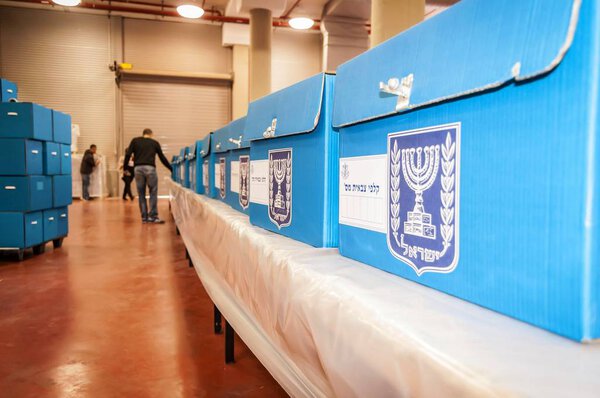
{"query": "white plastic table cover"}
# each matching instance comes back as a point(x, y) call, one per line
point(327, 326)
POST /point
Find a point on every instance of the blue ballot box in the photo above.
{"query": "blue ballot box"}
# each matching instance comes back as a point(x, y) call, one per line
point(50, 224)
point(52, 158)
point(181, 168)
point(62, 190)
point(186, 167)
point(25, 120)
point(21, 157)
point(8, 91)
point(294, 161)
point(61, 127)
point(21, 230)
point(65, 159)
point(237, 168)
point(25, 193)
point(468, 159)
point(174, 168)
point(198, 163)
point(219, 148)
point(63, 221)
point(208, 176)
point(191, 156)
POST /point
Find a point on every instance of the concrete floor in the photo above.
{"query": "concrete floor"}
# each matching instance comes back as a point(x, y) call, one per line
point(116, 312)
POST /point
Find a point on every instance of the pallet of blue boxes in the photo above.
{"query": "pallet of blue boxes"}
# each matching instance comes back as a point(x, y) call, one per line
point(35, 174)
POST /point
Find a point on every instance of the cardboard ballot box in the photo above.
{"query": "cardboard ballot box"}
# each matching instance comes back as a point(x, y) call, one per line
point(198, 163)
point(238, 166)
point(25, 193)
point(294, 161)
point(21, 230)
point(25, 120)
point(468, 158)
point(21, 157)
point(191, 156)
point(8, 91)
point(208, 171)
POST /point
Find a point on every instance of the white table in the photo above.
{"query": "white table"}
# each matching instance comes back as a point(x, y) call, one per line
point(326, 326)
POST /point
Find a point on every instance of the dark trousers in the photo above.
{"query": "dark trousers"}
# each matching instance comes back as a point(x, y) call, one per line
point(127, 187)
point(85, 186)
point(146, 176)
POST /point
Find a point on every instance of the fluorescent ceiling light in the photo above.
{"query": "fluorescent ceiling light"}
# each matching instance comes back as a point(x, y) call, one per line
point(190, 11)
point(67, 3)
point(301, 23)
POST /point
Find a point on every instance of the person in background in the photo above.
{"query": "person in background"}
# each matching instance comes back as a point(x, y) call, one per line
point(127, 176)
point(88, 164)
point(144, 150)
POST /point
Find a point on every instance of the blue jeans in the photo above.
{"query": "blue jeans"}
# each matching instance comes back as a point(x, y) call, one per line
point(85, 186)
point(146, 175)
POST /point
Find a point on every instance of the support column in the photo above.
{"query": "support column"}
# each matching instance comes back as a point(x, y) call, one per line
point(343, 39)
point(239, 90)
point(390, 17)
point(260, 52)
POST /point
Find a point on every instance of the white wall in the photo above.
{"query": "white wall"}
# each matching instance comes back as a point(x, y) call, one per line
point(295, 56)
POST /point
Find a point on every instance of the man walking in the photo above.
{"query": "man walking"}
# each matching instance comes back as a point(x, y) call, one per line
point(144, 150)
point(88, 164)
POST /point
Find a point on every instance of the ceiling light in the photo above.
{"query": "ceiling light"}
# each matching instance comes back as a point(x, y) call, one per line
point(67, 3)
point(190, 11)
point(301, 23)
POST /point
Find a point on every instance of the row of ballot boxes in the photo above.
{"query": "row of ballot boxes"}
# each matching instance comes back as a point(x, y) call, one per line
point(35, 172)
point(460, 154)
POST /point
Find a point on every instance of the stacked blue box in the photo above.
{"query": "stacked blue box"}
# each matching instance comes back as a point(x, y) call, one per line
point(35, 173)
point(8, 91)
point(208, 167)
point(294, 162)
point(181, 168)
point(237, 193)
point(186, 167)
point(481, 140)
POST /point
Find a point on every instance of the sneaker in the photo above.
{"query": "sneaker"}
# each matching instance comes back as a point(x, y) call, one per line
point(155, 221)
point(145, 221)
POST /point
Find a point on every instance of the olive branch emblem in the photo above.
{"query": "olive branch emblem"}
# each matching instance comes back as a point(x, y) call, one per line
point(447, 193)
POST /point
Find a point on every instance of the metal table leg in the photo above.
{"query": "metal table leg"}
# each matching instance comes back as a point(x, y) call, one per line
point(217, 325)
point(229, 343)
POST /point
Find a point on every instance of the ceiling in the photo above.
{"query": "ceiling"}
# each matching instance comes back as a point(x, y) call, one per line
point(306, 8)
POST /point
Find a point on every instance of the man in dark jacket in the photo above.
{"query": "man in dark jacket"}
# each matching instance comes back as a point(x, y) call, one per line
point(144, 150)
point(88, 164)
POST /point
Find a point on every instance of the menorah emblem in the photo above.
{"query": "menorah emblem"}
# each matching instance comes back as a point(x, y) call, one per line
point(420, 168)
point(280, 187)
point(244, 169)
point(423, 200)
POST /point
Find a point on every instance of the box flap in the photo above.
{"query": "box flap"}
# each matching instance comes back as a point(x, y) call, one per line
point(192, 152)
point(205, 150)
point(475, 45)
point(231, 136)
point(293, 110)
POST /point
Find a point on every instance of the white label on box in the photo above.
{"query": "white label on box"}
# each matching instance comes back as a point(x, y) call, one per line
point(235, 176)
point(217, 180)
point(363, 192)
point(259, 189)
point(205, 174)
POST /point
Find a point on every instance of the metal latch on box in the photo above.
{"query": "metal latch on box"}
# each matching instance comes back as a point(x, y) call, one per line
point(236, 142)
point(401, 88)
point(270, 131)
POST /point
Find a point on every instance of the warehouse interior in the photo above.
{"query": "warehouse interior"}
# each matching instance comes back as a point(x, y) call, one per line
point(346, 198)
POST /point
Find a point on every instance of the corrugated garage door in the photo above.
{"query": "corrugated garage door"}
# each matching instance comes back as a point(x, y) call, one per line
point(179, 113)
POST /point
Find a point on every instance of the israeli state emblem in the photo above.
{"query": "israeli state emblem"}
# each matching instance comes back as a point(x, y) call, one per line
point(280, 187)
point(222, 186)
point(423, 202)
point(244, 196)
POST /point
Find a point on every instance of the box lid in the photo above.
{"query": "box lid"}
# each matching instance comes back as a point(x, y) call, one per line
point(205, 149)
point(475, 45)
point(191, 152)
point(293, 110)
point(230, 136)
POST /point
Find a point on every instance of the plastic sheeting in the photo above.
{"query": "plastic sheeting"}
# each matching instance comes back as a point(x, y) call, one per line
point(327, 326)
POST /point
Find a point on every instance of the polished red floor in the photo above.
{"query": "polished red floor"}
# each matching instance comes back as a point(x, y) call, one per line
point(116, 312)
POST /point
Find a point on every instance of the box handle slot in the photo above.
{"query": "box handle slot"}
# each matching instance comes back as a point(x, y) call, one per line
point(54, 153)
point(66, 154)
point(10, 90)
point(35, 151)
point(63, 215)
point(12, 113)
point(34, 223)
point(10, 187)
point(50, 218)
